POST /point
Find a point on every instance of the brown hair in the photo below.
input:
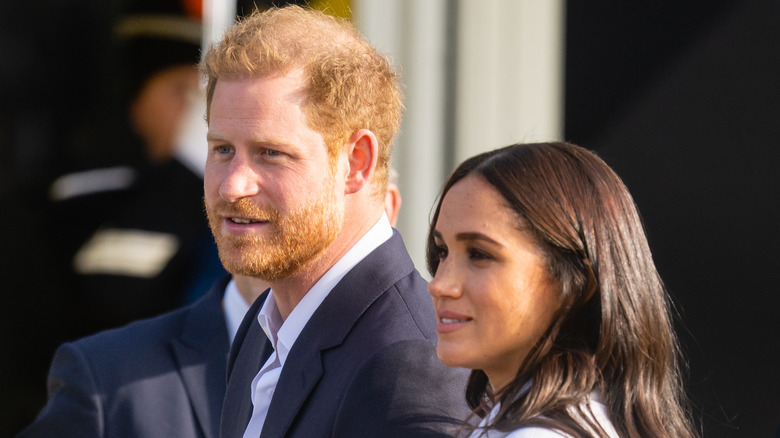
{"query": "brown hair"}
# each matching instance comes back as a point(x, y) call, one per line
point(350, 85)
point(613, 334)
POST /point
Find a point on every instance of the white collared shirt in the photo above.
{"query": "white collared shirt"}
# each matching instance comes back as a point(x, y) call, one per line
point(593, 408)
point(235, 308)
point(283, 333)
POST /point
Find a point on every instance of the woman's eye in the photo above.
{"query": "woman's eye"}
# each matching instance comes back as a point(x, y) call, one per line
point(441, 252)
point(476, 254)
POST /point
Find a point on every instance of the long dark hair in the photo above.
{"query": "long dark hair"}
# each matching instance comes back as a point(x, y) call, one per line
point(613, 333)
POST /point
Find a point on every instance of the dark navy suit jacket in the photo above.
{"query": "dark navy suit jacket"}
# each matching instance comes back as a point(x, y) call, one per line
point(162, 377)
point(365, 365)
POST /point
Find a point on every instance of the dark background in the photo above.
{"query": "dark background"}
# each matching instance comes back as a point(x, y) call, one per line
point(682, 98)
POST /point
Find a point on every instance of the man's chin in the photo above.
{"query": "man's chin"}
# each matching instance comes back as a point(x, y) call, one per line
point(264, 270)
point(236, 262)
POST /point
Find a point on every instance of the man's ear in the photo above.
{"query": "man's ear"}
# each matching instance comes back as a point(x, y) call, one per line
point(362, 152)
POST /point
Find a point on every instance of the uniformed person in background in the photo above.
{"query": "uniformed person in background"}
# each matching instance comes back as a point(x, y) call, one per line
point(135, 238)
point(123, 234)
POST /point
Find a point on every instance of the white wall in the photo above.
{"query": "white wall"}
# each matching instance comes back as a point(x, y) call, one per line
point(479, 74)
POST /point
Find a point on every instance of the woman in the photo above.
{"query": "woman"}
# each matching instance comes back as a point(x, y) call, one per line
point(544, 285)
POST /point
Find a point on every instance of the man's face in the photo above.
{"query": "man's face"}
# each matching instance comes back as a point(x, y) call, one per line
point(273, 201)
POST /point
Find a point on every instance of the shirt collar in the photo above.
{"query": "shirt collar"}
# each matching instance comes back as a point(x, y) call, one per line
point(235, 308)
point(283, 334)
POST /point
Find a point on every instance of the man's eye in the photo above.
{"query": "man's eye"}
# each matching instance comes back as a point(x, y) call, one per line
point(223, 150)
point(272, 152)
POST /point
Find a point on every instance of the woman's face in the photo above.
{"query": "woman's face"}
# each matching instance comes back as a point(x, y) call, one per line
point(493, 295)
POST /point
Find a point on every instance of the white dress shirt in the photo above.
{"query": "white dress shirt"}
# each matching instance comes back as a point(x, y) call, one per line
point(283, 333)
point(235, 308)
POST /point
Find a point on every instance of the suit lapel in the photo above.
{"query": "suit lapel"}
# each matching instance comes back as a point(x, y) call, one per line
point(328, 327)
point(250, 349)
point(201, 354)
point(300, 375)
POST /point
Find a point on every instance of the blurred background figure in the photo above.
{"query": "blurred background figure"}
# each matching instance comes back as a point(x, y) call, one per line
point(137, 243)
point(110, 227)
point(392, 197)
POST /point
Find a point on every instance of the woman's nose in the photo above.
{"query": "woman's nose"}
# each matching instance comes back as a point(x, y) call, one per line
point(445, 282)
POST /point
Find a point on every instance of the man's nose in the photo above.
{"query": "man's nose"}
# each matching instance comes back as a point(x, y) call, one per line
point(241, 181)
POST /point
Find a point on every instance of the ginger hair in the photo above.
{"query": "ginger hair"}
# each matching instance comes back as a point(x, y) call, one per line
point(349, 84)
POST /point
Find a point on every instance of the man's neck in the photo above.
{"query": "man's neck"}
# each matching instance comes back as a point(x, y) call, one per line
point(288, 292)
point(249, 287)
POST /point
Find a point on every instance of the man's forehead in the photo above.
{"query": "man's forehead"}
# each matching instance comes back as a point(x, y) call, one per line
point(289, 86)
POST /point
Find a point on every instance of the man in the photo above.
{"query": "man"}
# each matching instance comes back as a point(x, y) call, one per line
point(301, 114)
point(160, 377)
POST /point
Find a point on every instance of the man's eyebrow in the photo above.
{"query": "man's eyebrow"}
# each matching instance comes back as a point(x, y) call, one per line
point(213, 137)
point(267, 141)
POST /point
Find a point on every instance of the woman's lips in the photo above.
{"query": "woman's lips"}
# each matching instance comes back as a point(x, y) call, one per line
point(449, 322)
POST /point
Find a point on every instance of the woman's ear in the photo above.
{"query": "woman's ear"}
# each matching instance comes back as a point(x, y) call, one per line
point(362, 152)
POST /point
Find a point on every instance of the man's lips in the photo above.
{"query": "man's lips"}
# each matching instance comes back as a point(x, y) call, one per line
point(245, 221)
point(243, 224)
